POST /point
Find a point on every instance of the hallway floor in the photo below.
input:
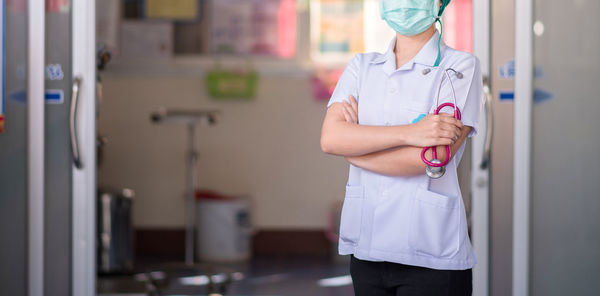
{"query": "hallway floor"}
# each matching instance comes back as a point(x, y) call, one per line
point(259, 277)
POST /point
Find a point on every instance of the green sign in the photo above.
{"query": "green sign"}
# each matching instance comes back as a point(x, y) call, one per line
point(231, 85)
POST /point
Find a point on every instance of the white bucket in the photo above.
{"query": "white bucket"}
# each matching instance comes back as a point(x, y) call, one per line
point(223, 230)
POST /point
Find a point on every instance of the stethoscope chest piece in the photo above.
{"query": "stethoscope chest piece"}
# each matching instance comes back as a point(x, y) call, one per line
point(435, 172)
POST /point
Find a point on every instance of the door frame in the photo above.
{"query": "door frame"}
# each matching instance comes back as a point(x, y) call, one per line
point(480, 177)
point(84, 178)
point(36, 31)
point(522, 146)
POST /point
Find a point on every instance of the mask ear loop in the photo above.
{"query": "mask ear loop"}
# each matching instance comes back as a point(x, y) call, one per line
point(439, 55)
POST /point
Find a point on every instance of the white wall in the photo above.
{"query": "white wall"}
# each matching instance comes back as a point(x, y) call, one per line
point(267, 148)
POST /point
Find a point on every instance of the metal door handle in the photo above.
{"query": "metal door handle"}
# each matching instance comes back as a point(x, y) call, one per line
point(489, 131)
point(73, 122)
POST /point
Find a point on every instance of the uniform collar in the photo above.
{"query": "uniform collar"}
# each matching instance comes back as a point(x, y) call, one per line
point(426, 56)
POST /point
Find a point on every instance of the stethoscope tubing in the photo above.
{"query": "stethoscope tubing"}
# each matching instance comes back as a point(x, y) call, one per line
point(436, 111)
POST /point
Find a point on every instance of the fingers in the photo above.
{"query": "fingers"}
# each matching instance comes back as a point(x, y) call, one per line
point(449, 118)
point(346, 114)
point(448, 126)
point(451, 131)
point(352, 117)
point(439, 130)
point(353, 103)
point(445, 135)
point(439, 142)
point(444, 129)
point(353, 113)
point(352, 108)
point(444, 142)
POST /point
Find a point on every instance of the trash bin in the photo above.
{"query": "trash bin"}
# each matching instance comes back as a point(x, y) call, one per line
point(224, 229)
point(114, 231)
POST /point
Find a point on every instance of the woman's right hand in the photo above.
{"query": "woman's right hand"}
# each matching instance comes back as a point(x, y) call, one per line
point(435, 130)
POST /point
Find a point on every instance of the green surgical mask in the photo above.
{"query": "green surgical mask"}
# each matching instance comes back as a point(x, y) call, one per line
point(410, 17)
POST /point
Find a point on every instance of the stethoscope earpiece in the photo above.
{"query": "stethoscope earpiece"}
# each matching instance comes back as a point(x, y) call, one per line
point(459, 75)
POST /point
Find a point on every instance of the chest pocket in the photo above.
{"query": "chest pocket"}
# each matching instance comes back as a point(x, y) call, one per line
point(423, 90)
point(412, 111)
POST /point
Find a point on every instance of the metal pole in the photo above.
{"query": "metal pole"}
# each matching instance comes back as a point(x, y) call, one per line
point(191, 209)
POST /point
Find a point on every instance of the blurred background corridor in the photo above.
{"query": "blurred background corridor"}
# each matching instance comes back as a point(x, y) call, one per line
point(171, 147)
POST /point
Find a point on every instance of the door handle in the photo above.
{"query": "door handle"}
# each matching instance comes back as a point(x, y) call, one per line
point(489, 130)
point(75, 148)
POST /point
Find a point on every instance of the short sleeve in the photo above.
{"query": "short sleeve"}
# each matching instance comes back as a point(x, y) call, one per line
point(469, 91)
point(348, 82)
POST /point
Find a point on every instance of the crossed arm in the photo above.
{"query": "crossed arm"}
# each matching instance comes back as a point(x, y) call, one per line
point(388, 150)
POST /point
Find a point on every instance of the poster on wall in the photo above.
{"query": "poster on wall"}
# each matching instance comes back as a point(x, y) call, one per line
point(174, 9)
point(458, 25)
point(337, 29)
point(58, 6)
point(231, 32)
point(15, 5)
point(324, 81)
point(254, 27)
point(146, 40)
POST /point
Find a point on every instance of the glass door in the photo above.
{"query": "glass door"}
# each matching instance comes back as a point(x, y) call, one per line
point(13, 149)
point(556, 192)
point(59, 160)
point(565, 199)
point(47, 147)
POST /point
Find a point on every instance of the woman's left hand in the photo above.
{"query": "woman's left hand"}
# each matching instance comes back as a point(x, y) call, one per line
point(351, 110)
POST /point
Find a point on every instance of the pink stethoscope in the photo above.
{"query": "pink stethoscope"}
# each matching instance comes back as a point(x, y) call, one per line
point(436, 168)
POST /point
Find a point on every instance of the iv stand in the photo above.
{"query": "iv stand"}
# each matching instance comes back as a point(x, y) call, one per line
point(191, 205)
point(190, 119)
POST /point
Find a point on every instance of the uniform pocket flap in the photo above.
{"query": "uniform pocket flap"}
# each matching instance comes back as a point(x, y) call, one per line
point(435, 225)
point(436, 199)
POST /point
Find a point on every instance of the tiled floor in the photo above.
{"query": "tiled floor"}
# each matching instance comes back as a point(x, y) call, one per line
point(260, 277)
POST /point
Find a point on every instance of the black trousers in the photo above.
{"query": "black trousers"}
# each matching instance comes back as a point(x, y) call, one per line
point(393, 279)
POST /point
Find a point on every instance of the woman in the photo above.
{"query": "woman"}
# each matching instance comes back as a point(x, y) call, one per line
point(406, 232)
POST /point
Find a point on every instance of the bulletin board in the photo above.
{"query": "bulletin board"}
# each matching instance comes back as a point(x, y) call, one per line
point(223, 27)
